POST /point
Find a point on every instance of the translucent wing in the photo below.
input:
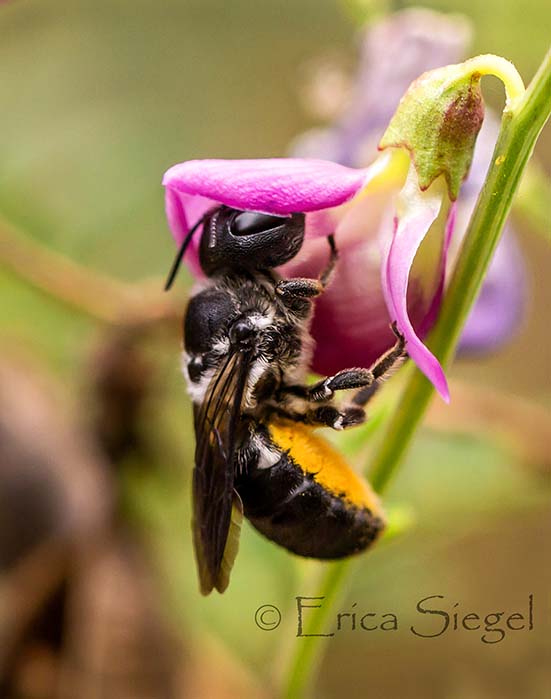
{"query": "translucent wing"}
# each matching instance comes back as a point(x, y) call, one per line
point(217, 509)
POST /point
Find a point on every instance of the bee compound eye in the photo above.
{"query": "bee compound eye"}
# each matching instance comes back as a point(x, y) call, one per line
point(250, 223)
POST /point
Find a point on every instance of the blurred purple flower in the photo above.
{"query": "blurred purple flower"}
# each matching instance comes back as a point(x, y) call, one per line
point(393, 53)
point(352, 313)
point(500, 306)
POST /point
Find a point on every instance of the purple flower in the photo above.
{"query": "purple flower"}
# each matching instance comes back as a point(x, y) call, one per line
point(500, 306)
point(394, 52)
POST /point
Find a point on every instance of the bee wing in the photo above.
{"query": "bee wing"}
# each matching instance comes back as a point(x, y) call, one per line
point(217, 509)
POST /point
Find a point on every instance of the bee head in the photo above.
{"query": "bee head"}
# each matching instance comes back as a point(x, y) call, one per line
point(233, 239)
point(244, 333)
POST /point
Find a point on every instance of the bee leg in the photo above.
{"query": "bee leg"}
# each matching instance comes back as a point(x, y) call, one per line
point(364, 395)
point(365, 379)
point(325, 389)
point(341, 381)
point(326, 416)
point(330, 416)
point(327, 273)
point(382, 367)
point(310, 288)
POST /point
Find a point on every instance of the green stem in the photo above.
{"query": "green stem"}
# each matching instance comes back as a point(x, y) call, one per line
point(519, 132)
point(307, 651)
point(501, 68)
point(521, 125)
point(88, 292)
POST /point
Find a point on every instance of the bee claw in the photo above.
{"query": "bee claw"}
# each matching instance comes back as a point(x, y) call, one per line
point(352, 417)
point(398, 333)
point(341, 420)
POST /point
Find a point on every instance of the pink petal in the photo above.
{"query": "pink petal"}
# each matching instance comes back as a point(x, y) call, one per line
point(182, 212)
point(409, 233)
point(320, 224)
point(351, 325)
point(350, 220)
point(278, 185)
point(272, 185)
point(434, 308)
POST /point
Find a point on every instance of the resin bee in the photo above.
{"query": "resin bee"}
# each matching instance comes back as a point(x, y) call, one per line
point(247, 350)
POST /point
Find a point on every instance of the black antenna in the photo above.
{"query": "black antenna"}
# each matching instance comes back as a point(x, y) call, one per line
point(181, 252)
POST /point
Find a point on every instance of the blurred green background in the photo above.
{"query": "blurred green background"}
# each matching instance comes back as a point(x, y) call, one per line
point(98, 100)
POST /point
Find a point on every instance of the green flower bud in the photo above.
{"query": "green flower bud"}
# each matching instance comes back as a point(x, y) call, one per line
point(437, 121)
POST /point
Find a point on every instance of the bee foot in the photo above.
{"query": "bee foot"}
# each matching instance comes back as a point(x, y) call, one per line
point(352, 416)
point(340, 420)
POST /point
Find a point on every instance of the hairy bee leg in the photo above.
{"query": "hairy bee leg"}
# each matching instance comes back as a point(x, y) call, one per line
point(367, 380)
point(327, 273)
point(364, 395)
point(364, 379)
point(330, 416)
point(342, 381)
point(326, 416)
point(310, 288)
point(386, 363)
point(325, 389)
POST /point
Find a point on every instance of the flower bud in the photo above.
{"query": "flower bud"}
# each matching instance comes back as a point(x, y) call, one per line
point(437, 121)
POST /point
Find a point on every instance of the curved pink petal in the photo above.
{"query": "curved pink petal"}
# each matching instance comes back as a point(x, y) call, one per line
point(182, 212)
point(408, 236)
point(272, 185)
point(432, 312)
point(351, 324)
point(277, 185)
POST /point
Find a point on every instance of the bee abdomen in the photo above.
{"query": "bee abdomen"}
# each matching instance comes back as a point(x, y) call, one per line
point(311, 522)
point(310, 501)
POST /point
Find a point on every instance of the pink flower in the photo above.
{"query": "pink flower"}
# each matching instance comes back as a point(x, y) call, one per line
point(347, 202)
point(394, 51)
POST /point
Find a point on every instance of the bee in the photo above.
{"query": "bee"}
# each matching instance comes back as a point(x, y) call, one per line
point(247, 351)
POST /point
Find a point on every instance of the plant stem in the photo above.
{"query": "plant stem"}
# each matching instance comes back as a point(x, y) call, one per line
point(521, 125)
point(91, 293)
point(519, 132)
point(307, 651)
point(501, 68)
